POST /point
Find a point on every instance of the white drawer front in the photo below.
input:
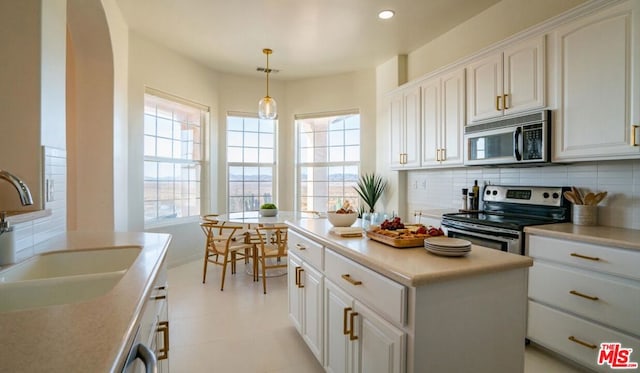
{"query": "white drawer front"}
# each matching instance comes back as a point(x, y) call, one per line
point(375, 290)
point(575, 290)
point(599, 258)
point(309, 251)
point(552, 329)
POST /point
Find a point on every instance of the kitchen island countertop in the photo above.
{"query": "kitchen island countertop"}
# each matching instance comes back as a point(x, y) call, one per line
point(411, 266)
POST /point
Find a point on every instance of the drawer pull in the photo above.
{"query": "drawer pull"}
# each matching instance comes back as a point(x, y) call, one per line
point(585, 344)
point(594, 258)
point(352, 337)
point(574, 292)
point(300, 246)
point(159, 297)
point(353, 282)
point(163, 327)
point(345, 330)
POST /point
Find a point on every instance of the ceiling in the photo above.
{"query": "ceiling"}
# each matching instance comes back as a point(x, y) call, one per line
point(309, 38)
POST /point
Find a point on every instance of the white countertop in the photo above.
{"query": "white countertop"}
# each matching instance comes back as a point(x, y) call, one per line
point(598, 234)
point(90, 336)
point(412, 266)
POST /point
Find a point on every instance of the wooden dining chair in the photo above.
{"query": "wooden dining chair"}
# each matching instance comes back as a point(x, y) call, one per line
point(271, 244)
point(225, 244)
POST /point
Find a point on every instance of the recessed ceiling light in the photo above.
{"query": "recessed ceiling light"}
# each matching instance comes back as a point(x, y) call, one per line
point(386, 14)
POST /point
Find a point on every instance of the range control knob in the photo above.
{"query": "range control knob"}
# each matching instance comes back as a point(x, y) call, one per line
point(495, 192)
point(545, 195)
point(488, 192)
point(556, 195)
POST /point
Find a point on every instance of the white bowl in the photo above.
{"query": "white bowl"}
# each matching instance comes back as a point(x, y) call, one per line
point(342, 220)
point(268, 212)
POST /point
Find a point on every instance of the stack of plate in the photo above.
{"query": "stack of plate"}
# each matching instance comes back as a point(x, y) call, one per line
point(447, 246)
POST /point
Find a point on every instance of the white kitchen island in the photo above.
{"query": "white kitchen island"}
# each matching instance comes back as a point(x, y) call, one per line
point(363, 306)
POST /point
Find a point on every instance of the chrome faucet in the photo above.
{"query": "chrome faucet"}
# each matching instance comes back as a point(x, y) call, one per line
point(25, 197)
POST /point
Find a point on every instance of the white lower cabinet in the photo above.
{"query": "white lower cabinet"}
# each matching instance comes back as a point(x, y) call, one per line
point(306, 303)
point(357, 339)
point(582, 295)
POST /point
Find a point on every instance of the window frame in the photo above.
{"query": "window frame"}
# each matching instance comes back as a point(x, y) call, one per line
point(201, 163)
point(299, 164)
point(273, 165)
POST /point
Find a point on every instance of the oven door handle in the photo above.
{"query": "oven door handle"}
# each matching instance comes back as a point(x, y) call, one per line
point(476, 234)
point(517, 144)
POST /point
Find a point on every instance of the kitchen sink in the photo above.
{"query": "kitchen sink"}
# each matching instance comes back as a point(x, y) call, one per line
point(59, 290)
point(71, 263)
point(63, 277)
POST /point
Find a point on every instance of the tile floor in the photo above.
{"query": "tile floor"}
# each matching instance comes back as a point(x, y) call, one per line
point(243, 330)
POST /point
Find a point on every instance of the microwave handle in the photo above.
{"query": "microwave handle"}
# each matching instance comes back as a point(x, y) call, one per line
point(516, 144)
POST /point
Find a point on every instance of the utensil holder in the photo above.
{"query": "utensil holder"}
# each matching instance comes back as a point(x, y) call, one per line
point(584, 215)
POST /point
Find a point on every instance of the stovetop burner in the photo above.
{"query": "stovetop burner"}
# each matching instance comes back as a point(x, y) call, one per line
point(514, 207)
point(516, 222)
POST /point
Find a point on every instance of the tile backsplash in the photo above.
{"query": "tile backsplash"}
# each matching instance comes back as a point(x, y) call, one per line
point(621, 179)
point(31, 233)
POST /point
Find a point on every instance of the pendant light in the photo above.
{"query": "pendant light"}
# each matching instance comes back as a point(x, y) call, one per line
point(267, 107)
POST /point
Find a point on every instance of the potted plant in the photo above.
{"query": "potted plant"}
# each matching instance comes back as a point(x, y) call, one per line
point(268, 209)
point(370, 188)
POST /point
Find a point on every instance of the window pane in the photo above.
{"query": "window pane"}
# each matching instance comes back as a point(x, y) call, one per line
point(150, 125)
point(336, 154)
point(165, 128)
point(251, 139)
point(236, 189)
point(265, 155)
point(266, 140)
point(250, 155)
point(320, 155)
point(267, 126)
point(320, 174)
point(165, 148)
point(352, 137)
point(336, 138)
point(149, 146)
point(234, 138)
point(234, 124)
point(352, 154)
point(251, 124)
point(150, 170)
point(234, 154)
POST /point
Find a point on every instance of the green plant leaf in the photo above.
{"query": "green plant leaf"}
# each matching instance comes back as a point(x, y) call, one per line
point(370, 188)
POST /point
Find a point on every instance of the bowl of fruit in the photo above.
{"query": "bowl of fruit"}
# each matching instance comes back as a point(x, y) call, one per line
point(345, 217)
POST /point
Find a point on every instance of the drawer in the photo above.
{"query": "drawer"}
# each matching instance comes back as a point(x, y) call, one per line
point(308, 250)
point(369, 287)
point(574, 290)
point(585, 255)
point(552, 328)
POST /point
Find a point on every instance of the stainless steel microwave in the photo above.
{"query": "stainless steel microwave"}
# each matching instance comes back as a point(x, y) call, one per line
point(519, 140)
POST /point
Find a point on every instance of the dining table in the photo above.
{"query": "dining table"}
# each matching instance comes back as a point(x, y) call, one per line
point(254, 218)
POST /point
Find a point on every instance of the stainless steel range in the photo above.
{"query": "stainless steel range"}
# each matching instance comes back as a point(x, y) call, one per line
point(506, 210)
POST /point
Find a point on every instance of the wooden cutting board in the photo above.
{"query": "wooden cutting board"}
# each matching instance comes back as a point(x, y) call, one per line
point(400, 243)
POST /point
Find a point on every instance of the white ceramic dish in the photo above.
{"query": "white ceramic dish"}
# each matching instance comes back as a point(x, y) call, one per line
point(341, 220)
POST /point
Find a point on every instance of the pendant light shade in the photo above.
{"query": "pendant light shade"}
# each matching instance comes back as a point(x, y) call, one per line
point(267, 107)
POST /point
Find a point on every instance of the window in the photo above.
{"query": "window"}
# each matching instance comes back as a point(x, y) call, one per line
point(250, 162)
point(328, 161)
point(173, 146)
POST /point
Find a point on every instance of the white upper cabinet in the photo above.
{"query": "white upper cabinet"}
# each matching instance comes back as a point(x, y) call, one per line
point(443, 119)
point(404, 120)
point(507, 82)
point(598, 63)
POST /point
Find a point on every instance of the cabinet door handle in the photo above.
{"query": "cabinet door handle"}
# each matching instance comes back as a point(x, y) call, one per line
point(594, 258)
point(301, 246)
point(634, 127)
point(163, 327)
point(300, 285)
point(345, 330)
point(504, 101)
point(352, 336)
point(590, 297)
point(353, 282)
point(585, 344)
point(498, 103)
point(438, 155)
point(298, 276)
point(443, 155)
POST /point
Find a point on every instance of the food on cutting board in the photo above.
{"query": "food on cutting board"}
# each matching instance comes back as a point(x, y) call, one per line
point(396, 229)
